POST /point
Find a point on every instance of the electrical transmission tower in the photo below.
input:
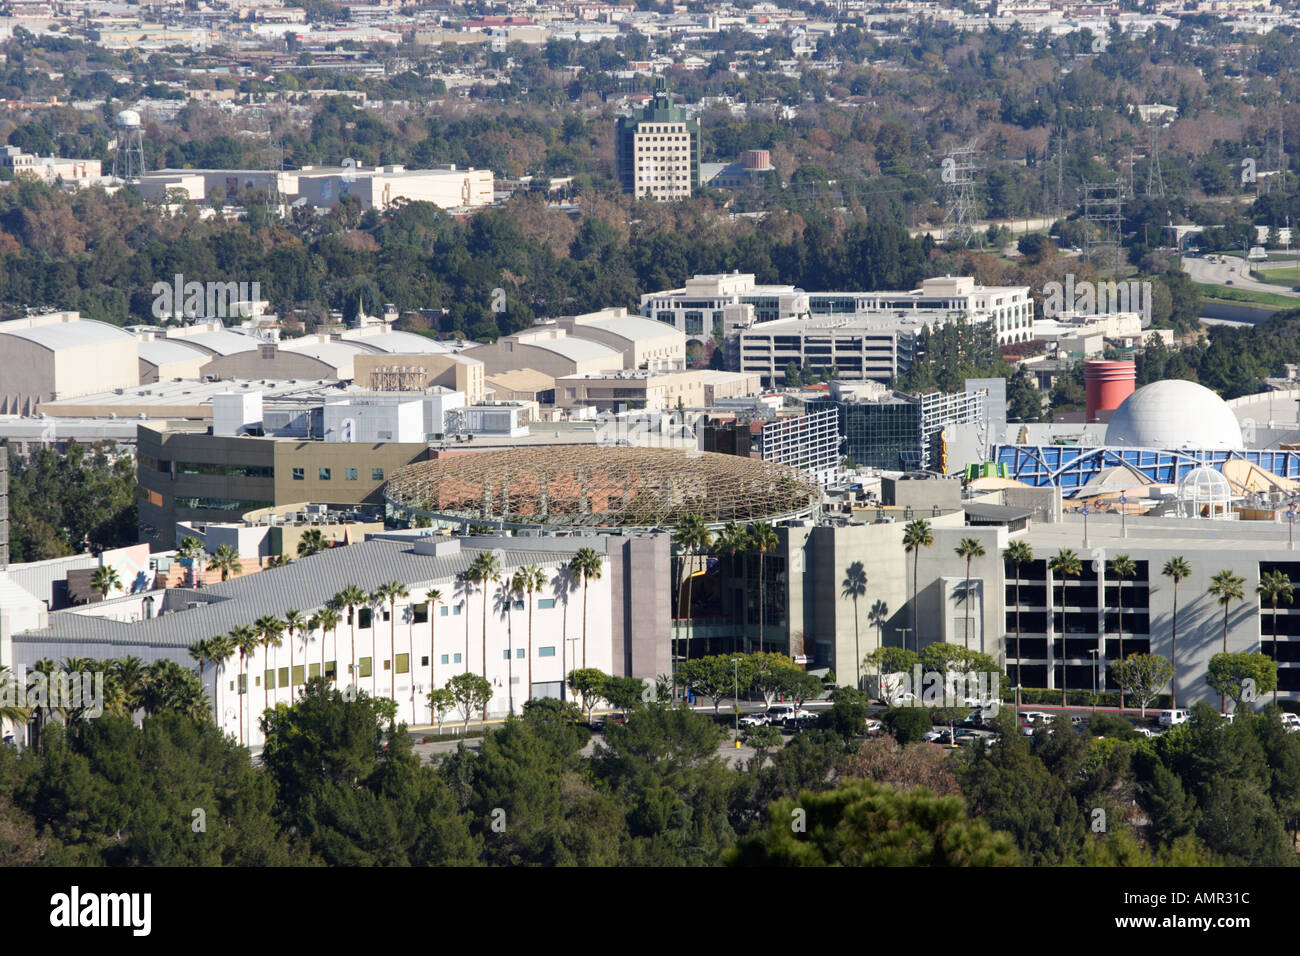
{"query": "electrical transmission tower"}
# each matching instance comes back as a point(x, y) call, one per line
point(1103, 212)
point(958, 174)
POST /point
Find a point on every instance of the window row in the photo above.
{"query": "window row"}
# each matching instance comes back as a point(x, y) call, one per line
point(327, 474)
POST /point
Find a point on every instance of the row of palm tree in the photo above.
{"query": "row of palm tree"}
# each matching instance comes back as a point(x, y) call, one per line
point(1226, 586)
point(692, 537)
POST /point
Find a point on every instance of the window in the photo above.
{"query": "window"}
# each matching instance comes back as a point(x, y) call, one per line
point(349, 474)
point(364, 667)
point(331, 670)
point(243, 683)
point(424, 661)
point(445, 659)
point(457, 609)
point(545, 603)
point(300, 474)
point(376, 474)
point(284, 677)
point(269, 675)
point(457, 659)
point(443, 609)
point(388, 665)
point(505, 655)
point(324, 474)
point(419, 613)
point(546, 652)
point(365, 617)
point(518, 605)
point(519, 654)
point(313, 671)
point(403, 663)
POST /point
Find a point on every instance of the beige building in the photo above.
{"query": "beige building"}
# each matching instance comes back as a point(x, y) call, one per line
point(522, 385)
point(547, 349)
point(404, 373)
point(164, 360)
point(377, 187)
point(62, 355)
point(644, 342)
point(654, 391)
point(185, 474)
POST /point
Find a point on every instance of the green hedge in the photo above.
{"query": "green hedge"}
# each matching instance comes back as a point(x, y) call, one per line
point(1077, 698)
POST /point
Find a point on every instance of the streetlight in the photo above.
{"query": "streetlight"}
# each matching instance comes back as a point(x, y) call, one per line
point(735, 677)
point(1290, 528)
point(1093, 654)
point(1084, 511)
point(1123, 516)
point(904, 631)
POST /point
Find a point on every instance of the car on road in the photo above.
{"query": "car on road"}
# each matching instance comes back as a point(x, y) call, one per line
point(1227, 282)
point(1172, 718)
point(905, 699)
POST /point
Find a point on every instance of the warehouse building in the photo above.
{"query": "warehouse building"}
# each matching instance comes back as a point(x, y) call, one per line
point(62, 355)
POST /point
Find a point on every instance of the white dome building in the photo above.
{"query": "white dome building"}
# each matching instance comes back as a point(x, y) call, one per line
point(1174, 414)
point(1205, 492)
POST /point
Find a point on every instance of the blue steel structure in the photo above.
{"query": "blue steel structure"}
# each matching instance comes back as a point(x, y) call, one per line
point(1070, 467)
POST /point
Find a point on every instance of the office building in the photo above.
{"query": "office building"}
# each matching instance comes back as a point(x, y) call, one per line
point(657, 151)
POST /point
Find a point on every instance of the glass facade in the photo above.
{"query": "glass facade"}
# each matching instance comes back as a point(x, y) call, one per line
point(880, 435)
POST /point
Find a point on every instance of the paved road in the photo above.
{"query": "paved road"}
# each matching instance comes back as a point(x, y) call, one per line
point(727, 750)
point(1234, 268)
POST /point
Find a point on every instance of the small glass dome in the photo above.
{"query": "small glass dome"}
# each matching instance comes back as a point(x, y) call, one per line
point(1205, 492)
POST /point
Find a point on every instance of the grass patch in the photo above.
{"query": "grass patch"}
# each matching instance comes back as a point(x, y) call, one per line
point(1227, 293)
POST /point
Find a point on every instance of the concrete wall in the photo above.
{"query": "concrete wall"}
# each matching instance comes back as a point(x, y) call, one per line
point(268, 362)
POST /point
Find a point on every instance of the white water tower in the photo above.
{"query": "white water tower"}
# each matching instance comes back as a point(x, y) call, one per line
point(128, 158)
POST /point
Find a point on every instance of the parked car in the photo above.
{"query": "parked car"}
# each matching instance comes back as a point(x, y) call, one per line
point(797, 724)
point(1030, 716)
point(967, 737)
point(1172, 718)
point(875, 726)
point(933, 735)
point(905, 699)
point(778, 713)
point(754, 720)
point(1227, 717)
point(1291, 721)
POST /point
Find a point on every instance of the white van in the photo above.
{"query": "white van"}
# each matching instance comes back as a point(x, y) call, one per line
point(1172, 718)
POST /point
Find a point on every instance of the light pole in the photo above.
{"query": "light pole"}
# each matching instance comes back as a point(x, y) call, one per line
point(904, 631)
point(1290, 528)
point(735, 709)
point(1093, 654)
point(1084, 511)
point(1123, 516)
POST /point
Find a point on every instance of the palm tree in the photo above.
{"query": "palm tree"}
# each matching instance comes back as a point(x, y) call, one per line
point(327, 619)
point(532, 579)
point(969, 548)
point(586, 564)
point(268, 628)
point(510, 586)
point(1018, 553)
point(731, 540)
point(201, 651)
point(433, 597)
point(351, 597)
point(312, 542)
point(484, 569)
point(220, 647)
point(244, 639)
point(226, 560)
point(916, 535)
point(190, 547)
point(13, 713)
point(105, 579)
point(854, 586)
point(1175, 568)
point(1275, 586)
point(1227, 586)
point(1123, 567)
point(763, 538)
point(295, 622)
point(392, 592)
point(691, 535)
point(1065, 563)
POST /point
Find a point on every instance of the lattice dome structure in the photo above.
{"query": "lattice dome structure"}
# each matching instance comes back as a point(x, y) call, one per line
point(1205, 491)
point(592, 487)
